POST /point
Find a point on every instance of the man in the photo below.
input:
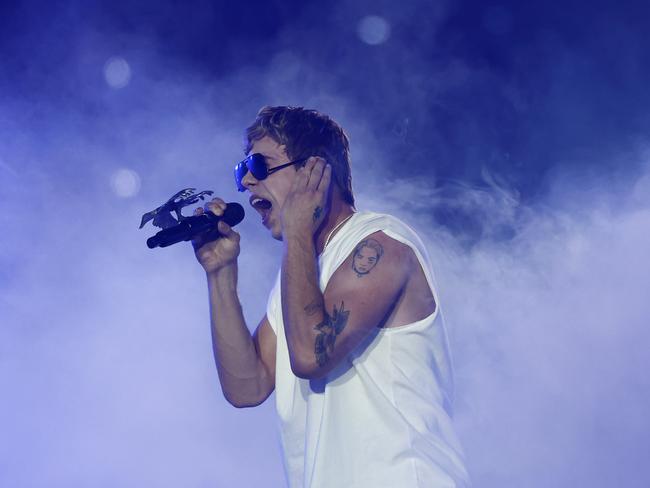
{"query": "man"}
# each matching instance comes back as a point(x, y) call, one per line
point(353, 340)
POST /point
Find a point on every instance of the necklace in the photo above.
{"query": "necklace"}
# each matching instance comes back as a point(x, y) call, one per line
point(336, 228)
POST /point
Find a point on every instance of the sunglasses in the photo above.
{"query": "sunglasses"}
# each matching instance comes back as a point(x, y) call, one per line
point(256, 164)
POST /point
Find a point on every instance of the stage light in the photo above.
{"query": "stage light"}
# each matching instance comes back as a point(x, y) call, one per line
point(373, 30)
point(125, 183)
point(117, 72)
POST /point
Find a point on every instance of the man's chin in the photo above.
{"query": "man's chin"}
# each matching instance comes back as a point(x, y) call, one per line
point(273, 227)
point(276, 233)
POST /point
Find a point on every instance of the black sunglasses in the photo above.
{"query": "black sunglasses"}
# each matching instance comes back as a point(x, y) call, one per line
point(256, 164)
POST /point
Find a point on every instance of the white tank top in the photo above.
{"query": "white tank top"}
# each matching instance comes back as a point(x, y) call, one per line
point(382, 417)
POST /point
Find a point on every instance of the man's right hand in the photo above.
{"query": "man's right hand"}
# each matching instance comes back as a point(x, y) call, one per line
point(221, 252)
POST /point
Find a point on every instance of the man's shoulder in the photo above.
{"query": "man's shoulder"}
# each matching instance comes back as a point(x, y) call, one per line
point(380, 236)
point(391, 225)
point(377, 219)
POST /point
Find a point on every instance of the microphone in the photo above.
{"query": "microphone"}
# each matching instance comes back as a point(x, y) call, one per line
point(190, 227)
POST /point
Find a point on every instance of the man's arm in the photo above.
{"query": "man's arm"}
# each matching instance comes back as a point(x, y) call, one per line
point(322, 329)
point(245, 363)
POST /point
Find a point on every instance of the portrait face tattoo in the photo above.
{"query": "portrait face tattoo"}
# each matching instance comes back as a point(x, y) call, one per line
point(366, 256)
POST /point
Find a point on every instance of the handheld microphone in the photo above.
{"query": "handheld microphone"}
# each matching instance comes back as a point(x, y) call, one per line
point(191, 227)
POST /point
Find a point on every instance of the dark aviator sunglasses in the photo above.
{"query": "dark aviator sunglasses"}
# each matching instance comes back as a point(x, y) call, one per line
point(256, 164)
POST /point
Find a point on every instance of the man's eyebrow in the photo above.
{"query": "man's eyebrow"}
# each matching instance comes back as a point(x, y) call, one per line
point(266, 156)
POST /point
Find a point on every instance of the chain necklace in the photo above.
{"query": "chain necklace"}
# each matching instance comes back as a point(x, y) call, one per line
point(336, 228)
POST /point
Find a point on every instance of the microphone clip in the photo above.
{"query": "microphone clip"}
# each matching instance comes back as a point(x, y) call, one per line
point(184, 228)
point(162, 216)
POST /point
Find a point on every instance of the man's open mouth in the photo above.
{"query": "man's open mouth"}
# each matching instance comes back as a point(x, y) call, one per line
point(262, 205)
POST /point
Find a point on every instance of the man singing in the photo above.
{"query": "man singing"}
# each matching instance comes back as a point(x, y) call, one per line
point(353, 340)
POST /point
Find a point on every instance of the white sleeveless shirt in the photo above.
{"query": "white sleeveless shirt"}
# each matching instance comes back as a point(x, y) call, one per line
point(381, 418)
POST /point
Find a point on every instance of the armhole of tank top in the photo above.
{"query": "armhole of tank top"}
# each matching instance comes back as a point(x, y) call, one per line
point(271, 320)
point(271, 306)
point(424, 264)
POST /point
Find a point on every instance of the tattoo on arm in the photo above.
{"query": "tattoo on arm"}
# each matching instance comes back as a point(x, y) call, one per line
point(329, 328)
point(317, 213)
point(366, 256)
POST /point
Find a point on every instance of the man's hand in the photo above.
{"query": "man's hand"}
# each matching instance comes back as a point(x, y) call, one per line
point(305, 207)
point(214, 255)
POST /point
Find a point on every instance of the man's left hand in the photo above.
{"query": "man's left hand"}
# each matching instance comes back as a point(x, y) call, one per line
point(305, 207)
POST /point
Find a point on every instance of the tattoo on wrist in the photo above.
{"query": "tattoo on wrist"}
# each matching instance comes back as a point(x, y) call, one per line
point(328, 329)
point(317, 213)
point(366, 256)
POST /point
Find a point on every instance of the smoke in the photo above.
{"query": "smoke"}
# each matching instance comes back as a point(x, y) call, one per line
point(549, 333)
point(105, 360)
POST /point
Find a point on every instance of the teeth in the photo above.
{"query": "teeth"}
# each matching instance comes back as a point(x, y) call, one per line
point(260, 203)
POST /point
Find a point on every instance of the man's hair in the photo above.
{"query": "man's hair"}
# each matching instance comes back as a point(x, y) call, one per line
point(306, 133)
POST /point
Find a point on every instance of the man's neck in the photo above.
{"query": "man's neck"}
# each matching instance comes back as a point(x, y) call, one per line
point(339, 211)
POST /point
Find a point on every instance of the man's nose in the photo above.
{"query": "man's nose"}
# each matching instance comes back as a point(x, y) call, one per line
point(248, 180)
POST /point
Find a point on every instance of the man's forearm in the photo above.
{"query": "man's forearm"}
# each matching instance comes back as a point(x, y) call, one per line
point(242, 376)
point(302, 301)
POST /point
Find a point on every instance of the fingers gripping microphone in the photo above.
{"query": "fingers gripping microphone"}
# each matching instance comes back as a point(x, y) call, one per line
point(191, 227)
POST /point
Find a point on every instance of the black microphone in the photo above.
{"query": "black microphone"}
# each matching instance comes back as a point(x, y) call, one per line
point(191, 227)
